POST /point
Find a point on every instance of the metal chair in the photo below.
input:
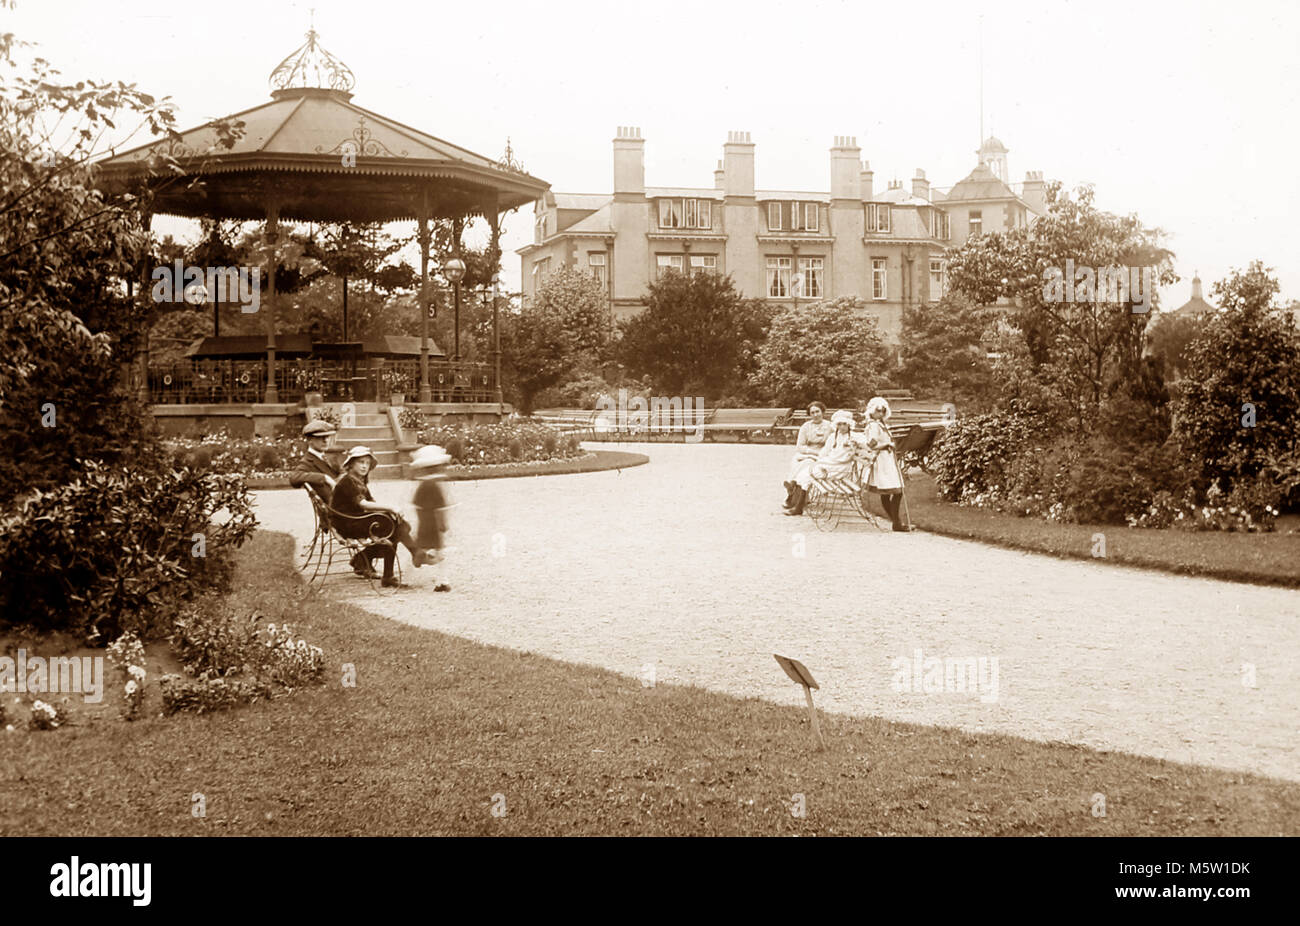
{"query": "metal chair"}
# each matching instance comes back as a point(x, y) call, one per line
point(830, 499)
point(328, 545)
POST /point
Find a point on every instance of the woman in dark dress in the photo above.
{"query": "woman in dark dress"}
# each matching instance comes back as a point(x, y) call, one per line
point(364, 519)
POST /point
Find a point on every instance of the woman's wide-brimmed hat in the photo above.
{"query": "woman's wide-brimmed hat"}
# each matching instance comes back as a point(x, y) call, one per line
point(357, 453)
point(878, 402)
point(843, 416)
point(430, 455)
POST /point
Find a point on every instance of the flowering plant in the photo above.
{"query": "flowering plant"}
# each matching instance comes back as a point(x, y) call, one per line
point(127, 654)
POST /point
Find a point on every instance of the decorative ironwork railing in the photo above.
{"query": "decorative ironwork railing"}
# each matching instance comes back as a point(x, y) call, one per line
point(190, 382)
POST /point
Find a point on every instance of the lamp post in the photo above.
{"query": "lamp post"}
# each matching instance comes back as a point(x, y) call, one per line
point(454, 271)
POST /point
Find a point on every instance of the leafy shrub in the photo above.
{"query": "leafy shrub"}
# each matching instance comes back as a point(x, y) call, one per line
point(203, 695)
point(502, 442)
point(972, 453)
point(1244, 355)
point(115, 549)
point(213, 642)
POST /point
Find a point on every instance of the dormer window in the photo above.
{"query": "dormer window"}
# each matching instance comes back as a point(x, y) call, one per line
point(685, 213)
point(878, 217)
point(793, 216)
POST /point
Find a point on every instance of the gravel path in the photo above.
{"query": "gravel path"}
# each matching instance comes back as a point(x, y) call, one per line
point(687, 564)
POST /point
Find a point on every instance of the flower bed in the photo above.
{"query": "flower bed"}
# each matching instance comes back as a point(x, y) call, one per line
point(257, 457)
point(503, 442)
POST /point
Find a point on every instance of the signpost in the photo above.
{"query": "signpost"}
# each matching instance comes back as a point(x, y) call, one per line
point(799, 673)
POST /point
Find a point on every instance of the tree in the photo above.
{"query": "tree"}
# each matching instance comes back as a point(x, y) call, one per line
point(566, 320)
point(943, 355)
point(1075, 349)
point(696, 333)
point(67, 252)
point(1239, 416)
point(1168, 339)
point(827, 351)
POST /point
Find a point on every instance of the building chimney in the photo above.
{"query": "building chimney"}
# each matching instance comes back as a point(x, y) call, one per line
point(719, 177)
point(738, 165)
point(846, 176)
point(629, 161)
point(920, 186)
point(1034, 192)
point(867, 182)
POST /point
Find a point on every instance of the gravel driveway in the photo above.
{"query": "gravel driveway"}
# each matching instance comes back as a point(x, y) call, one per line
point(688, 565)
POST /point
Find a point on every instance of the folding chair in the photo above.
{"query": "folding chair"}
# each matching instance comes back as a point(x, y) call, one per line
point(328, 545)
point(831, 498)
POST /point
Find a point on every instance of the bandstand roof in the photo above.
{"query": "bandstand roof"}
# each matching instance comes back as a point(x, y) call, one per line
point(316, 156)
point(301, 345)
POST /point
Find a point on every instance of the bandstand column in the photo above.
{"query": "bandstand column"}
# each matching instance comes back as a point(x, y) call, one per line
point(494, 217)
point(422, 234)
point(272, 395)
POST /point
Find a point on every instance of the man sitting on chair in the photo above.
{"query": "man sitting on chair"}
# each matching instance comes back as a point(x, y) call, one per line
point(312, 468)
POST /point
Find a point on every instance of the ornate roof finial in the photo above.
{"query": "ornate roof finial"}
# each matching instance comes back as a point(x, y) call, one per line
point(310, 65)
point(508, 161)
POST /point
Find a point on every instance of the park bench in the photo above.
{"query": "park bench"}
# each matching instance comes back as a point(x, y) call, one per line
point(328, 546)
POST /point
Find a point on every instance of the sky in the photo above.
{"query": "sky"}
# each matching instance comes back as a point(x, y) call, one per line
point(1182, 113)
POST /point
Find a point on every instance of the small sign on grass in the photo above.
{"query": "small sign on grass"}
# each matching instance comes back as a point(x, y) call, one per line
point(799, 673)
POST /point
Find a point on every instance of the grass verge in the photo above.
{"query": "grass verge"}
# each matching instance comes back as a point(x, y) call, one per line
point(439, 732)
point(1265, 559)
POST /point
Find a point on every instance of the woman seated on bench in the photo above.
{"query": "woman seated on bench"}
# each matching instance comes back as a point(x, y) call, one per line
point(883, 477)
point(812, 437)
point(365, 519)
point(835, 461)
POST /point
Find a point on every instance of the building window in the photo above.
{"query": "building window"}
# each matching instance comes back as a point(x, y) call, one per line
point(685, 213)
point(811, 268)
point(976, 223)
point(879, 288)
point(940, 227)
point(704, 263)
point(938, 279)
point(778, 277)
point(540, 269)
point(668, 262)
point(877, 217)
point(596, 261)
point(810, 217)
point(775, 216)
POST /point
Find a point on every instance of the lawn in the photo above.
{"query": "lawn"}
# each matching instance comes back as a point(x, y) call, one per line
point(440, 732)
point(1268, 559)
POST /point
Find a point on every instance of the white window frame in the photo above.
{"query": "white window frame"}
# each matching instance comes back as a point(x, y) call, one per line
point(704, 263)
point(691, 213)
point(706, 213)
point(540, 268)
point(780, 216)
point(975, 221)
point(668, 262)
point(879, 279)
point(938, 278)
point(778, 276)
point(673, 211)
point(812, 269)
point(878, 217)
point(599, 269)
point(811, 217)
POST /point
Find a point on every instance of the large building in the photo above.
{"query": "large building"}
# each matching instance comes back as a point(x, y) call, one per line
point(885, 246)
